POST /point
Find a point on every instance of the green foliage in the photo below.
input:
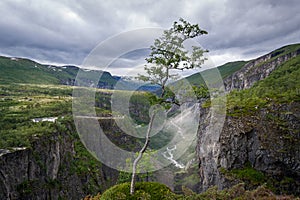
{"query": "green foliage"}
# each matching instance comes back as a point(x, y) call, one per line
point(84, 161)
point(168, 52)
point(282, 86)
point(156, 191)
point(124, 177)
point(209, 74)
point(145, 190)
point(201, 92)
point(20, 104)
point(247, 174)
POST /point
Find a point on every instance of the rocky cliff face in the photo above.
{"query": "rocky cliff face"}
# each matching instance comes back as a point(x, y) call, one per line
point(269, 141)
point(50, 170)
point(266, 141)
point(256, 70)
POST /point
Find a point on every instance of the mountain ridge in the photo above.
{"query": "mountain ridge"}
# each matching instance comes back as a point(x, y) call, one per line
point(23, 70)
point(230, 71)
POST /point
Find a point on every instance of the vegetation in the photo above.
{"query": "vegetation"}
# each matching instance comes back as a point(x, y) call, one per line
point(153, 191)
point(143, 190)
point(20, 104)
point(20, 70)
point(282, 86)
point(168, 53)
point(253, 178)
point(225, 71)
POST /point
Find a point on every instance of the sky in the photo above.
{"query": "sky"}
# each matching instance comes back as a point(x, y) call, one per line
point(67, 31)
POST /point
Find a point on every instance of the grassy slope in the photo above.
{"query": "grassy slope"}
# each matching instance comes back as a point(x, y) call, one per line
point(231, 67)
point(282, 86)
point(225, 70)
point(27, 71)
point(152, 190)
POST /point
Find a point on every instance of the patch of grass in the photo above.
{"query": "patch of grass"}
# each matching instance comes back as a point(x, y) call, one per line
point(282, 86)
point(143, 190)
point(154, 191)
point(224, 70)
point(247, 174)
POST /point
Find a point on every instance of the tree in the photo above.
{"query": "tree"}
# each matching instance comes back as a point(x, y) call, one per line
point(168, 53)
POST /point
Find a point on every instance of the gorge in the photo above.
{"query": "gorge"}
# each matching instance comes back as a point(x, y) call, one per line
point(259, 142)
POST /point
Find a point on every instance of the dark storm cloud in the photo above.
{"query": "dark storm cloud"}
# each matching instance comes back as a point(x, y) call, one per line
point(66, 31)
point(248, 25)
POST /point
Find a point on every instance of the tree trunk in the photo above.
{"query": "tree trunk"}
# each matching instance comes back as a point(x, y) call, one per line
point(162, 91)
point(141, 152)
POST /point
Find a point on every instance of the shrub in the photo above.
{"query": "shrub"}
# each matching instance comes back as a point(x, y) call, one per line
point(144, 190)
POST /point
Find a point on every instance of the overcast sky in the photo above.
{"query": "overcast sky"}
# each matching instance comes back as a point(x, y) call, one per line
point(66, 31)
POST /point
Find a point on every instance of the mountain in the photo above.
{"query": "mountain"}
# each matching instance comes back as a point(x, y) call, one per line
point(257, 147)
point(225, 70)
point(240, 74)
point(20, 70)
point(260, 141)
point(260, 68)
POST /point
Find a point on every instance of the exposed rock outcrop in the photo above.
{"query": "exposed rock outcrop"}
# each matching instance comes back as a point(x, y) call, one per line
point(49, 170)
point(257, 69)
point(268, 139)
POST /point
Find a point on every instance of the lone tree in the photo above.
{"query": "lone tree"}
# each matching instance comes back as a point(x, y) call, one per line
point(168, 53)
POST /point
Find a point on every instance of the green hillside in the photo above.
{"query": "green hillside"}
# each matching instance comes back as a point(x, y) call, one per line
point(225, 70)
point(231, 67)
point(25, 71)
point(20, 70)
point(282, 86)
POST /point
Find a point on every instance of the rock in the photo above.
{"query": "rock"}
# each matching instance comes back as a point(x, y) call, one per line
point(256, 70)
point(47, 171)
point(268, 140)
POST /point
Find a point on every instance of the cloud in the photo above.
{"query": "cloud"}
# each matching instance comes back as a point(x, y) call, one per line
point(66, 31)
point(253, 23)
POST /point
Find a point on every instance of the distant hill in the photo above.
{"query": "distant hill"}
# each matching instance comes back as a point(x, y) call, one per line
point(20, 70)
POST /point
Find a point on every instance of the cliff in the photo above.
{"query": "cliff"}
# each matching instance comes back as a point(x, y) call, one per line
point(260, 68)
point(56, 166)
point(268, 142)
point(260, 141)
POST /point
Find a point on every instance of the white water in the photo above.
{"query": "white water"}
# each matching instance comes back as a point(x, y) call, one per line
point(185, 126)
point(45, 119)
point(169, 155)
